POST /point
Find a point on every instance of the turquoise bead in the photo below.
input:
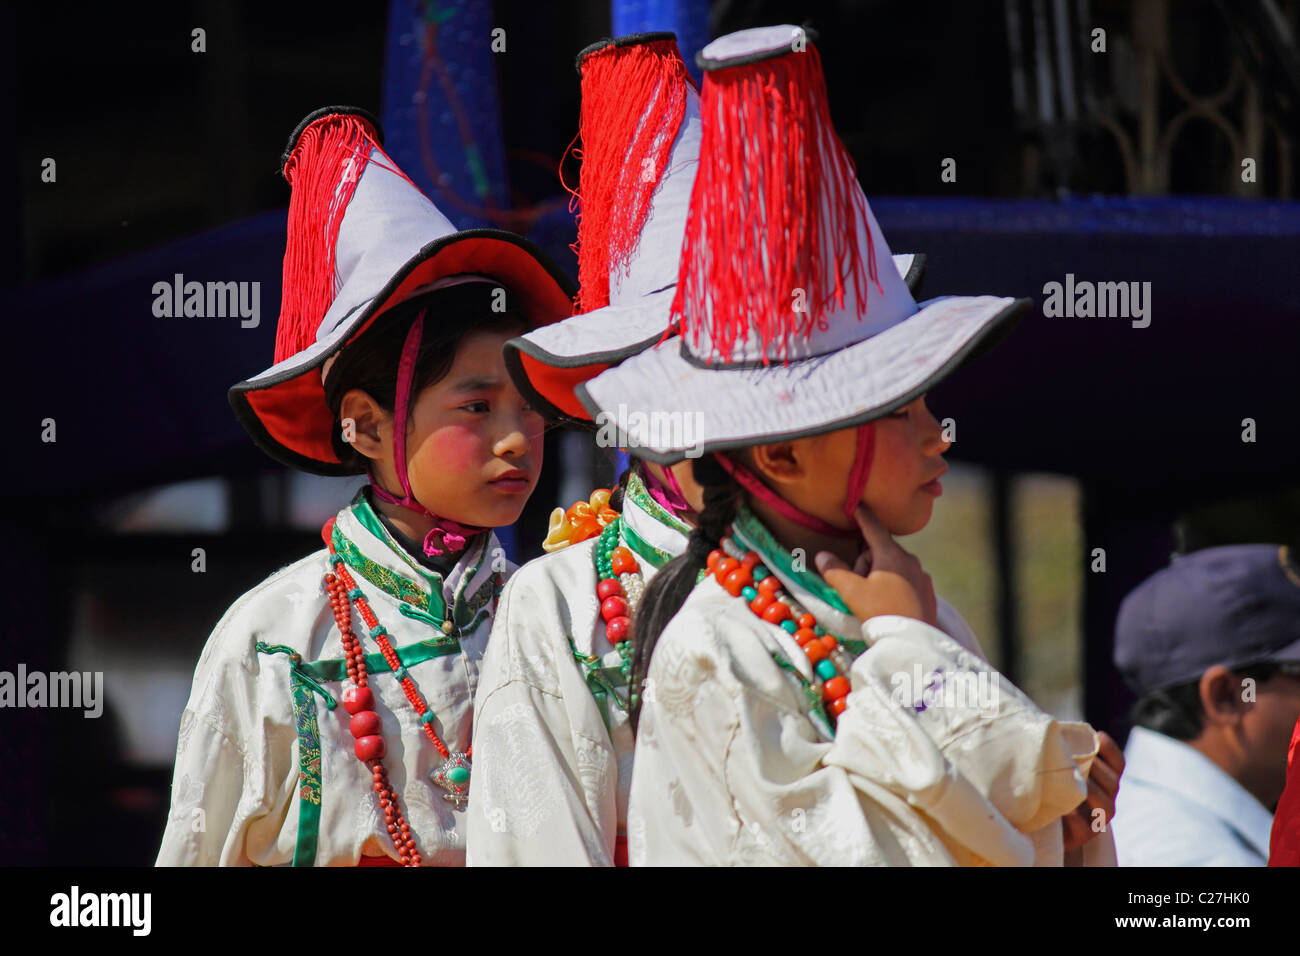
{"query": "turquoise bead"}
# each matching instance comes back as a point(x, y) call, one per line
point(400, 673)
point(377, 630)
point(458, 775)
point(825, 669)
point(749, 593)
point(789, 626)
point(760, 571)
point(355, 594)
point(427, 717)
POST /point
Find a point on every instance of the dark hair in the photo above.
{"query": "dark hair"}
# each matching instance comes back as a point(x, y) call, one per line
point(370, 363)
point(1177, 712)
point(619, 490)
point(666, 594)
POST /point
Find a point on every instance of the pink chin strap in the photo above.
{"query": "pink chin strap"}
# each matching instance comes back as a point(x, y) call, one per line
point(670, 496)
point(445, 535)
point(858, 474)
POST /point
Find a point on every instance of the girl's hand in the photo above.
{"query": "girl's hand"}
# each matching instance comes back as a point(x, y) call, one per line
point(884, 580)
point(1103, 784)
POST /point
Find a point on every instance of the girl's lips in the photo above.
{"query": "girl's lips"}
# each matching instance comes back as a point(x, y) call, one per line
point(510, 485)
point(933, 488)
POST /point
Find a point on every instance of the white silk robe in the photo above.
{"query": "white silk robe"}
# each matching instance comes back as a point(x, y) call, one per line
point(551, 775)
point(243, 794)
point(731, 770)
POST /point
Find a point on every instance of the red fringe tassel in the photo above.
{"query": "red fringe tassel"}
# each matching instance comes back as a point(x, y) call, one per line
point(623, 154)
point(323, 171)
point(773, 211)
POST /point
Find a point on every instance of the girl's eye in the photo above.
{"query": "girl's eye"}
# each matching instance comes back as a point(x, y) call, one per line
point(476, 407)
point(901, 413)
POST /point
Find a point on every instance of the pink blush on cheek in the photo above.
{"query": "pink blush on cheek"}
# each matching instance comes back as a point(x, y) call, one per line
point(454, 449)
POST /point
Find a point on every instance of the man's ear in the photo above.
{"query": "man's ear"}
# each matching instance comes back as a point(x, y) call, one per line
point(779, 463)
point(366, 425)
point(1221, 695)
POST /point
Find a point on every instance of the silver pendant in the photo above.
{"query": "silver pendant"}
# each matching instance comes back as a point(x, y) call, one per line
point(453, 776)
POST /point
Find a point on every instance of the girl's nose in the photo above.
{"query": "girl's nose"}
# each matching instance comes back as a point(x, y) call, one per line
point(513, 444)
point(935, 442)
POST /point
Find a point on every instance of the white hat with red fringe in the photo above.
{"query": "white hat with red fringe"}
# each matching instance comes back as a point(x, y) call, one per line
point(788, 328)
point(640, 133)
point(362, 238)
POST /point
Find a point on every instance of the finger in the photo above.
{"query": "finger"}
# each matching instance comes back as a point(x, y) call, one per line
point(1109, 751)
point(862, 566)
point(1074, 830)
point(873, 532)
point(827, 561)
point(1105, 777)
point(1099, 799)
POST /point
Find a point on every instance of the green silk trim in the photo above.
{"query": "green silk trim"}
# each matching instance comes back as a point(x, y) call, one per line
point(816, 706)
point(310, 789)
point(364, 512)
point(402, 588)
point(603, 682)
point(776, 556)
point(327, 671)
point(641, 546)
point(637, 491)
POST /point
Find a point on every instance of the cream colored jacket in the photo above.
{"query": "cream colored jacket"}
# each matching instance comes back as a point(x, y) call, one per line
point(265, 769)
point(938, 759)
point(552, 765)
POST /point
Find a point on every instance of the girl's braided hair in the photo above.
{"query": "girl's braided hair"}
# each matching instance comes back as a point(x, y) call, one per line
point(666, 594)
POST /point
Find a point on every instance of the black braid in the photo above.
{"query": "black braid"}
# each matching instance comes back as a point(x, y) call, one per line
point(666, 594)
point(620, 489)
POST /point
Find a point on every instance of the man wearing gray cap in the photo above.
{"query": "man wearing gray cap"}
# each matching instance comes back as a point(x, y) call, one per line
point(1211, 646)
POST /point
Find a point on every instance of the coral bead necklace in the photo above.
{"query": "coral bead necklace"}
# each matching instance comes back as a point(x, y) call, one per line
point(359, 701)
point(741, 574)
point(619, 588)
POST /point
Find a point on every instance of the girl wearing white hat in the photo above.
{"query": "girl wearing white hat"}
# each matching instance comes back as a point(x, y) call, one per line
point(551, 726)
point(551, 731)
point(783, 720)
point(330, 718)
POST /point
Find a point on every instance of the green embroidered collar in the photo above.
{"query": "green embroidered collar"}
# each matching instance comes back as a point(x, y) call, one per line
point(638, 493)
point(777, 557)
point(415, 602)
point(403, 588)
point(655, 556)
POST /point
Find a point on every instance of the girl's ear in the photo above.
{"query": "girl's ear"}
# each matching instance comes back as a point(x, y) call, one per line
point(778, 463)
point(366, 426)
